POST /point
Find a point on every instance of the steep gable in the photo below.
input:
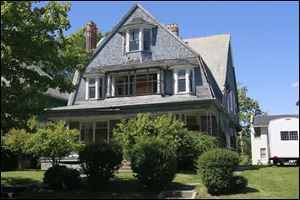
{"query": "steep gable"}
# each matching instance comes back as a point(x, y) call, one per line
point(214, 51)
point(110, 51)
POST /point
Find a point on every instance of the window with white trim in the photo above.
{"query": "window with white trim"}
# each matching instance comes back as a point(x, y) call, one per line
point(181, 81)
point(92, 88)
point(134, 40)
point(263, 153)
point(95, 87)
point(184, 81)
point(137, 39)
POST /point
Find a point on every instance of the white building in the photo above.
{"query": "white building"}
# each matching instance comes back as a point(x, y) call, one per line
point(274, 138)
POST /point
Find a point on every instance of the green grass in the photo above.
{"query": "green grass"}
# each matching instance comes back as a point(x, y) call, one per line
point(263, 182)
point(21, 177)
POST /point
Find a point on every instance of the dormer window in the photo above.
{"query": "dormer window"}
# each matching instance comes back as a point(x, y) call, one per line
point(137, 35)
point(134, 40)
point(95, 87)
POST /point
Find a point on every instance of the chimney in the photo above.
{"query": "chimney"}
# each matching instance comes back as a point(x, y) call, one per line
point(174, 29)
point(91, 36)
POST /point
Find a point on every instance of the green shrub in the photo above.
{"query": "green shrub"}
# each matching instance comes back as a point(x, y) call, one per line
point(153, 162)
point(191, 146)
point(61, 177)
point(216, 169)
point(130, 131)
point(100, 162)
point(238, 183)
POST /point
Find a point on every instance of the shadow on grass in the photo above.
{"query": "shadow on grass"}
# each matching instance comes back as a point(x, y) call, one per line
point(180, 186)
point(117, 189)
point(8, 181)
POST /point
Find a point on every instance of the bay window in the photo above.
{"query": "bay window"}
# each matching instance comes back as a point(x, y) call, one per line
point(137, 82)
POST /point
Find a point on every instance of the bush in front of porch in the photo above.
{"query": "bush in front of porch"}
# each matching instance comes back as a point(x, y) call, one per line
point(186, 144)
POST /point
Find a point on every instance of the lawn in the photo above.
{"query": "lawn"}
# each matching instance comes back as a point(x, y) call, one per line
point(264, 182)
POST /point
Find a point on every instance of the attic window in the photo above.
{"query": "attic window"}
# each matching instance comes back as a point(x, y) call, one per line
point(138, 39)
point(134, 40)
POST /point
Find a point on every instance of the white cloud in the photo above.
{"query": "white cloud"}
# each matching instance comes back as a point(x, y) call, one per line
point(296, 84)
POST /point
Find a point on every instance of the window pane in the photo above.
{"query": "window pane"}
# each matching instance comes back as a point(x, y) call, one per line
point(134, 40)
point(181, 73)
point(92, 91)
point(284, 135)
point(191, 123)
point(92, 81)
point(257, 132)
point(262, 152)
point(181, 85)
point(101, 131)
point(100, 92)
point(146, 39)
point(293, 135)
point(74, 125)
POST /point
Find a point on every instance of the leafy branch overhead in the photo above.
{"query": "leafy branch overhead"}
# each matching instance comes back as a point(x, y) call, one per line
point(36, 56)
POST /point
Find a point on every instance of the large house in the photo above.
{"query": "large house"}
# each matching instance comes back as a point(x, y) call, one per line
point(274, 139)
point(143, 66)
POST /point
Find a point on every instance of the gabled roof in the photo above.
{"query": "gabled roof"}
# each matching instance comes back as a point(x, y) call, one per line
point(128, 14)
point(214, 50)
point(265, 120)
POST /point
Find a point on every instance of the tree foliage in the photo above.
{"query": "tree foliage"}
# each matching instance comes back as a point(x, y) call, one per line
point(32, 40)
point(54, 141)
point(16, 141)
point(247, 107)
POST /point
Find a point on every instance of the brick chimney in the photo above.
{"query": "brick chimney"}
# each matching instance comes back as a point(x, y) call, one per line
point(91, 36)
point(174, 29)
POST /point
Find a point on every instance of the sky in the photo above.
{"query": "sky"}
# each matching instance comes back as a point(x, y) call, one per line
point(264, 39)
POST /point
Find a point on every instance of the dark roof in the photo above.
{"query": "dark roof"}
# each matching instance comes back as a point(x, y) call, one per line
point(265, 120)
point(138, 21)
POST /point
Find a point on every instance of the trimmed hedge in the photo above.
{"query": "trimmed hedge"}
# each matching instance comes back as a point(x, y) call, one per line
point(216, 169)
point(153, 162)
point(61, 177)
point(100, 162)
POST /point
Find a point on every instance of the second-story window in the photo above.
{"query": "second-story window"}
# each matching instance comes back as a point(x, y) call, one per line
point(181, 80)
point(100, 88)
point(92, 88)
point(134, 40)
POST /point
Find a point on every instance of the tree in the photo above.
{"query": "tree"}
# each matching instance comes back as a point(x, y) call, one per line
point(32, 37)
point(54, 141)
point(16, 141)
point(247, 107)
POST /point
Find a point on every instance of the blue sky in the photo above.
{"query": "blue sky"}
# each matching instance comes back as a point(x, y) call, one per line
point(265, 39)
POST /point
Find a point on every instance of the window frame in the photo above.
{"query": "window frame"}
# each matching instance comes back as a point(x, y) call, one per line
point(189, 80)
point(99, 81)
point(263, 153)
point(140, 39)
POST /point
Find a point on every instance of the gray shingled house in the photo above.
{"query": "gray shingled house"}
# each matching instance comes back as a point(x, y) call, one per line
point(144, 66)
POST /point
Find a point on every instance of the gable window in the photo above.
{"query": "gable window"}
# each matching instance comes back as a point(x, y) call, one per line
point(181, 80)
point(134, 40)
point(147, 37)
point(92, 88)
point(257, 132)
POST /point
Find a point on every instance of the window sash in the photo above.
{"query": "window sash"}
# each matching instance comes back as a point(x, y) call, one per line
point(147, 39)
point(134, 40)
point(263, 153)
